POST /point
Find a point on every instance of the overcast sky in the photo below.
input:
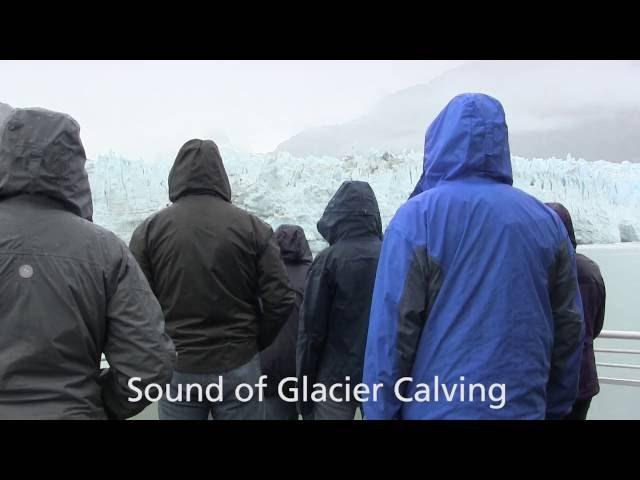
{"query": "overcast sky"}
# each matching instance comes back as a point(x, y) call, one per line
point(146, 108)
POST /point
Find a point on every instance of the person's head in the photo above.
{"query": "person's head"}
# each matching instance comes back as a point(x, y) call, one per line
point(41, 154)
point(469, 138)
point(294, 247)
point(198, 170)
point(565, 216)
point(352, 211)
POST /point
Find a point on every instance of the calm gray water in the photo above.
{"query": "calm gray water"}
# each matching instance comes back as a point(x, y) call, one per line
point(620, 266)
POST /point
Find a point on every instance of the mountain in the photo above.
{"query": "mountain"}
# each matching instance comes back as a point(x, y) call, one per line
point(589, 109)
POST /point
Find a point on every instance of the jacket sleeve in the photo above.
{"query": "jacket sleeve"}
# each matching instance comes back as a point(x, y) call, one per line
point(136, 346)
point(275, 295)
point(601, 296)
point(407, 283)
point(138, 247)
point(568, 334)
point(278, 359)
point(313, 323)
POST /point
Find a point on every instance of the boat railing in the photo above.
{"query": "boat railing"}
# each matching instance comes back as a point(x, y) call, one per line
point(619, 335)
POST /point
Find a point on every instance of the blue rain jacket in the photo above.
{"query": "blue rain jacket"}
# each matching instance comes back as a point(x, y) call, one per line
point(476, 303)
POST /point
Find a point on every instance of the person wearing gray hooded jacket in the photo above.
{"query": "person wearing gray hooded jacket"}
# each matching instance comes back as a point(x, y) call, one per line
point(69, 290)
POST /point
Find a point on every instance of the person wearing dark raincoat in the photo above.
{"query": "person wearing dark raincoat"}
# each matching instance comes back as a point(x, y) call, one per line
point(223, 287)
point(335, 309)
point(476, 311)
point(594, 295)
point(69, 290)
point(278, 360)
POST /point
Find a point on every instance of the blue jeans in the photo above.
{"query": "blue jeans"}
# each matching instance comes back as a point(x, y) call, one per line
point(230, 408)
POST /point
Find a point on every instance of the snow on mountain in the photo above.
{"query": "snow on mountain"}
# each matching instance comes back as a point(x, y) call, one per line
point(603, 197)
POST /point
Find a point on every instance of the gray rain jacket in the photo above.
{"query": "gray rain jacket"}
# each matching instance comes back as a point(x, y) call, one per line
point(69, 290)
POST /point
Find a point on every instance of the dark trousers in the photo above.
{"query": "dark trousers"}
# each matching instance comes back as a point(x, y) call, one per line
point(331, 410)
point(278, 409)
point(579, 410)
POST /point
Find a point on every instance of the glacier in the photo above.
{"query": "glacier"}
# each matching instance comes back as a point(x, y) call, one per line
point(603, 197)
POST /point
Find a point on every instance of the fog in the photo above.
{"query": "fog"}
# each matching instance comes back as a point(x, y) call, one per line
point(588, 109)
point(147, 109)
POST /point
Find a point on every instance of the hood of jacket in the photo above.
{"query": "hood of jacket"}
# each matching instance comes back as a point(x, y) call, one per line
point(565, 216)
point(294, 247)
point(198, 170)
point(41, 154)
point(469, 138)
point(352, 212)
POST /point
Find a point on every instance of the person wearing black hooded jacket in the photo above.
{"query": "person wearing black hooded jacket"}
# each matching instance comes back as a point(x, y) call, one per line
point(594, 294)
point(335, 311)
point(69, 289)
point(279, 359)
point(217, 272)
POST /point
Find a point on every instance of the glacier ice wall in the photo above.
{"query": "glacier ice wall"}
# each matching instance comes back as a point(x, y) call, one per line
point(603, 197)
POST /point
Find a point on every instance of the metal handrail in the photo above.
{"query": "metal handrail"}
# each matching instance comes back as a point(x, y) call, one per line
point(616, 350)
point(620, 334)
point(620, 381)
point(617, 365)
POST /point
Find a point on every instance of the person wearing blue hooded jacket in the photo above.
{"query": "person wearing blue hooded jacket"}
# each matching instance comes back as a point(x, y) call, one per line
point(476, 287)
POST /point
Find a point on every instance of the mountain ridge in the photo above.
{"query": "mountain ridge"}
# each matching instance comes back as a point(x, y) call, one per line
point(584, 109)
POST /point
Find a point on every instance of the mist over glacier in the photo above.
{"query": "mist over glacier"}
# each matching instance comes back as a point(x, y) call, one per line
point(603, 197)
